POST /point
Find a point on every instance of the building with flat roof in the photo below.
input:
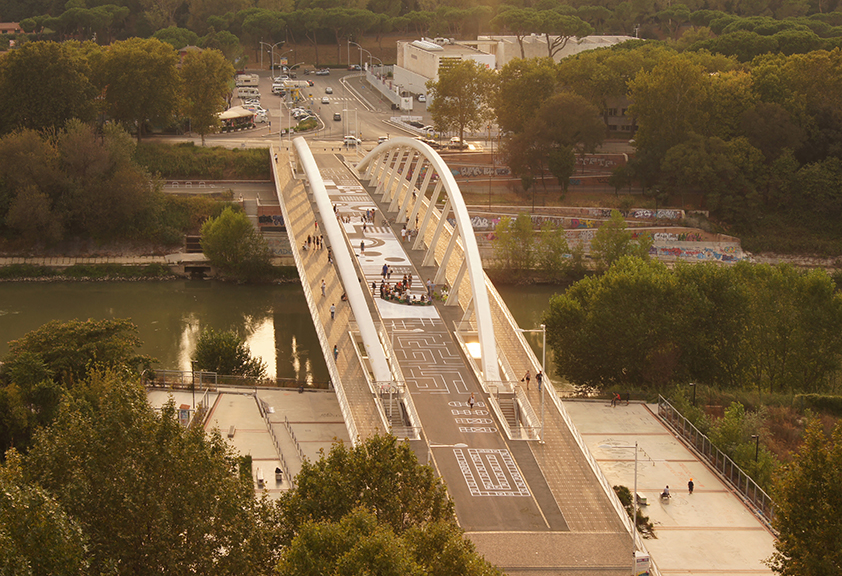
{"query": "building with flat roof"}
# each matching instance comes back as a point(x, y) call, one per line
point(421, 60)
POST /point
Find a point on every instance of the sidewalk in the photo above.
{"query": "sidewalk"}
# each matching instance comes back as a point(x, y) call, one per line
point(710, 532)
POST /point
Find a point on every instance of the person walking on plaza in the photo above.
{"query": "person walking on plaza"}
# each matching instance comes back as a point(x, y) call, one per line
point(332, 311)
point(429, 289)
point(526, 377)
point(335, 353)
point(323, 286)
point(690, 486)
point(384, 271)
point(471, 401)
point(362, 247)
point(539, 378)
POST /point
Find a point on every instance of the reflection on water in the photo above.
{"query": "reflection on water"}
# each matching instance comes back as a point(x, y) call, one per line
point(274, 320)
point(527, 305)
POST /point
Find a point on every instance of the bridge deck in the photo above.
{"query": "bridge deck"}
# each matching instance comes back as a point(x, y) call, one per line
point(527, 507)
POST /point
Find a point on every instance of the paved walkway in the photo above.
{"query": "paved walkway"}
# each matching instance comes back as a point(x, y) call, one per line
point(707, 533)
point(528, 508)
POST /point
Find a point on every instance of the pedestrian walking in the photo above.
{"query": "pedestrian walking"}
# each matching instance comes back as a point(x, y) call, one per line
point(526, 377)
point(316, 225)
point(323, 286)
point(373, 288)
point(335, 352)
point(321, 240)
point(539, 378)
point(384, 271)
point(471, 401)
point(690, 486)
point(389, 273)
point(309, 240)
point(362, 247)
point(403, 234)
point(332, 311)
point(409, 280)
point(429, 289)
point(365, 227)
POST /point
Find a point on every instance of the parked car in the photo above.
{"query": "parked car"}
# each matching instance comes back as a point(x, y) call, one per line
point(323, 72)
point(354, 67)
point(382, 139)
point(337, 116)
point(328, 90)
point(352, 141)
point(422, 98)
point(325, 100)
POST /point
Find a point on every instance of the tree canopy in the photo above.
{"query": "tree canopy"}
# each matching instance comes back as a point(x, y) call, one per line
point(231, 242)
point(460, 98)
point(806, 505)
point(226, 354)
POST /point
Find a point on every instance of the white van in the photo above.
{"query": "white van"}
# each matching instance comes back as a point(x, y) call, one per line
point(352, 141)
point(248, 93)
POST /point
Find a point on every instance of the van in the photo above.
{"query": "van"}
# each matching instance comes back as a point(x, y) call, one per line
point(352, 141)
point(246, 80)
point(248, 92)
point(382, 139)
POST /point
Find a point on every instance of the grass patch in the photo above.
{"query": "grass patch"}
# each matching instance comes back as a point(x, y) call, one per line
point(86, 271)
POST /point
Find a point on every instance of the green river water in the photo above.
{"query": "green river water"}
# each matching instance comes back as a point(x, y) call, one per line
point(274, 320)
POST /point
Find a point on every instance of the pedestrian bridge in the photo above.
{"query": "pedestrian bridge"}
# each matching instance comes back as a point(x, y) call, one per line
point(526, 489)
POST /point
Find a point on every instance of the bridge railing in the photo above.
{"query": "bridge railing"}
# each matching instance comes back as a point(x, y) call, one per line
point(284, 466)
point(756, 497)
point(332, 369)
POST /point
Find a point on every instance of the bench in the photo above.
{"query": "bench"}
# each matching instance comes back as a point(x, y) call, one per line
point(231, 431)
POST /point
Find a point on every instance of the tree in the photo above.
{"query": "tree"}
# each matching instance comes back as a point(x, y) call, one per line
point(514, 242)
point(554, 254)
point(60, 90)
point(69, 350)
point(628, 327)
point(206, 78)
point(140, 81)
point(518, 21)
point(522, 86)
point(613, 241)
point(225, 353)
point(806, 507)
point(460, 97)
point(381, 475)
point(559, 28)
point(177, 37)
point(231, 243)
point(150, 495)
point(359, 544)
point(37, 536)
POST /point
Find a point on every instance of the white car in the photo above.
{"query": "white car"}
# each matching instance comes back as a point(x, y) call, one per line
point(422, 98)
point(325, 100)
point(328, 90)
point(352, 141)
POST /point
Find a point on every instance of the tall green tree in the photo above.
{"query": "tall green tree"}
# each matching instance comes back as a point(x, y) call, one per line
point(150, 495)
point(37, 536)
point(232, 243)
point(514, 242)
point(381, 475)
point(522, 86)
point(206, 77)
point(460, 98)
point(60, 90)
point(807, 502)
point(613, 240)
point(226, 354)
point(140, 81)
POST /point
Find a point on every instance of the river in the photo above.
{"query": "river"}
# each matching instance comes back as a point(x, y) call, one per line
point(274, 320)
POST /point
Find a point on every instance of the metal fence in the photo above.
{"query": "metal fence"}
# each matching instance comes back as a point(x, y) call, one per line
point(753, 494)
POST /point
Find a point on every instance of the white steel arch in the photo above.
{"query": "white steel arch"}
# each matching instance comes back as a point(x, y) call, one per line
point(344, 259)
point(388, 164)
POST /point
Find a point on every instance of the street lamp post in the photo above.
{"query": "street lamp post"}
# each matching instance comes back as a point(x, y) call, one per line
point(634, 502)
point(756, 438)
point(543, 331)
point(272, 55)
point(361, 52)
point(193, 381)
point(693, 386)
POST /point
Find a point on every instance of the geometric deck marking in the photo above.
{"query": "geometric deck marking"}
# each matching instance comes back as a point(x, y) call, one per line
point(495, 469)
point(478, 430)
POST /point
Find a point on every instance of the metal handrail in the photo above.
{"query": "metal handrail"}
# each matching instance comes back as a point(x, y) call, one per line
point(344, 406)
point(748, 489)
point(294, 439)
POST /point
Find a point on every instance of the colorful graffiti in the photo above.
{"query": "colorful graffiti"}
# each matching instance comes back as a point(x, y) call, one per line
point(273, 220)
point(472, 171)
point(682, 237)
point(723, 254)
